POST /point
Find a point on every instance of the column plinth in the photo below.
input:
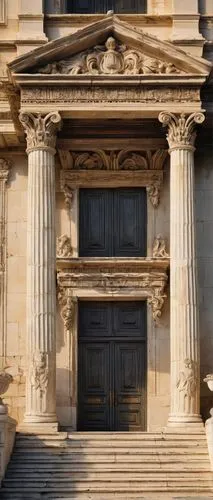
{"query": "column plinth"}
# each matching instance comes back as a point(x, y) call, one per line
point(184, 307)
point(41, 258)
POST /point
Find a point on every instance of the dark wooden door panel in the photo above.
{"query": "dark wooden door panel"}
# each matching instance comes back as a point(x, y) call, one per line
point(94, 384)
point(95, 320)
point(129, 319)
point(95, 223)
point(129, 222)
point(112, 222)
point(130, 386)
point(112, 366)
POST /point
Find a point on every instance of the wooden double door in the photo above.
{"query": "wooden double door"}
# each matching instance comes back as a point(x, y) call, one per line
point(112, 366)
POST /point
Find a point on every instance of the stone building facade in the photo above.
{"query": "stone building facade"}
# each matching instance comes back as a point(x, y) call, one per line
point(117, 102)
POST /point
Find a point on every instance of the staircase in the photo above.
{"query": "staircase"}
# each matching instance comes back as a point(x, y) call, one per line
point(106, 466)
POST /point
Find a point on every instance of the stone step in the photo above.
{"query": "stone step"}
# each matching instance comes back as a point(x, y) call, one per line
point(112, 475)
point(108, 496)
point(69, 445)
point(143, 451)
point(125, 487)
point(113, 436)
point(110, 465)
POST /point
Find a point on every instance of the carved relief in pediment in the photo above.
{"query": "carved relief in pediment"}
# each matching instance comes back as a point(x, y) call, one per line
point(110, 59)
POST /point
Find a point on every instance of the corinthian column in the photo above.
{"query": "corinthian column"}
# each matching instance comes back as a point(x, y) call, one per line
point(184, 324)
point(41, 254)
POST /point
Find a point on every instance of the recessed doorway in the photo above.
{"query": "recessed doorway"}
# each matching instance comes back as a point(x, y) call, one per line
point(112, 354)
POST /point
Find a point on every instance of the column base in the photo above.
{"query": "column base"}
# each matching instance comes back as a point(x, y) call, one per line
point(185, 421)
point(38, 428)
point(39, 424)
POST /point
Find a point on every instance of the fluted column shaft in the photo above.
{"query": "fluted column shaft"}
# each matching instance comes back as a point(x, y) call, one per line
point(41, 255)
point(184, 309)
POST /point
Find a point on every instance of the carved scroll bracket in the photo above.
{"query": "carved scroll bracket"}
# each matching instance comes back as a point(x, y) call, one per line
point(153, 191)
point(68, 195)
point(67, 303)
point(156, 301)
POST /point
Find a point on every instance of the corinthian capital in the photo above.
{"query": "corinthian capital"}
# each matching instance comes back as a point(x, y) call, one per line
point(40, 130)
point(181, 128)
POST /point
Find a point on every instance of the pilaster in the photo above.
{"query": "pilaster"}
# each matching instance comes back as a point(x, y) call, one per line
point(4, 171)
point(41, 255)
point(184, 321)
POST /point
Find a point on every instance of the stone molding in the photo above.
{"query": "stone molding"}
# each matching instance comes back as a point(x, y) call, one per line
point(146, 278)
point(40, 130)
point(5, 166)
point(74, 179)
point(181, 128)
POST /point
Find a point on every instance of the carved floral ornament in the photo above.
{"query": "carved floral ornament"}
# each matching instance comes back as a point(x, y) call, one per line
point(40, 130)
point(181, 128)
point(109, 59)
point(63, 247)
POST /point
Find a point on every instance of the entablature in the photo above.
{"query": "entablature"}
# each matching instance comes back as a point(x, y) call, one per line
point(86, 278)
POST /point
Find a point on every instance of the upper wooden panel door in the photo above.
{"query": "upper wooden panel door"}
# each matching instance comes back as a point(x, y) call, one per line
point(112, 366)
point(102, 6)
point(112, 222)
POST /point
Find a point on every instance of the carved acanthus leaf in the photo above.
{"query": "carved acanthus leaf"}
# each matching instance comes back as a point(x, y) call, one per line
point(64, 248)
point(39, 372)
point(181, 128)
point(159, 248)
point(111, 58)
point(40, 130)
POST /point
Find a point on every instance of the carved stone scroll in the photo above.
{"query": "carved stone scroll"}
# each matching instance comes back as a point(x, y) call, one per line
point(109, 59)
point(5, 166)
point(67, 303)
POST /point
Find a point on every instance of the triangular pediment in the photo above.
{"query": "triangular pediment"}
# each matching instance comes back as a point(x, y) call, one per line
point(108, 47)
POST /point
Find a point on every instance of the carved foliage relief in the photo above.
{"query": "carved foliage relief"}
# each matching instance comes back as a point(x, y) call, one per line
point(109, 59)
point(115, 160)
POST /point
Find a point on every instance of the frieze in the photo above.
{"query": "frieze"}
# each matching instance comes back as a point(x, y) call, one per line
point(75, 94)
point(143, 276)
point(125, 159)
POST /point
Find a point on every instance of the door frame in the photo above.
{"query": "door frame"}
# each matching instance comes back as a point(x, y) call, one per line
point(137, 340)
point(73, 350)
